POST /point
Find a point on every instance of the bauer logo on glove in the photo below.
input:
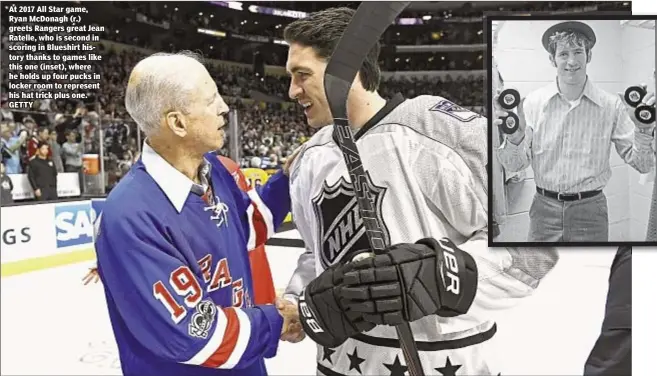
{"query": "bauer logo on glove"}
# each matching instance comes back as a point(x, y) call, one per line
point(409, 282)
point(450, 274)
point(308, 316)
point(324, 319)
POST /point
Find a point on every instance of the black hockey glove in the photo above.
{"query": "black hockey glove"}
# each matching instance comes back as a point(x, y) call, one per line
point(411, 281)
point(323, 319)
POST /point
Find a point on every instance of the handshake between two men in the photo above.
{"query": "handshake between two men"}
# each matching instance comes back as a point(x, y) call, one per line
point(405, 283)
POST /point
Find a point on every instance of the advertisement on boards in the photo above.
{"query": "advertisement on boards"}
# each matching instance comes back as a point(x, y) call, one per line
point(27, 232)
point(73, 224)
point(30, 231)
point(68, 185)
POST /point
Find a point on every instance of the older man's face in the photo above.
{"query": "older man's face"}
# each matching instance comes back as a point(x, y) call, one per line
point(208, 115)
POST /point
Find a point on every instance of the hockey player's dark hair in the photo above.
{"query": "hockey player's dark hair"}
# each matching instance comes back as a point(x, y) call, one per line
point(322, 31)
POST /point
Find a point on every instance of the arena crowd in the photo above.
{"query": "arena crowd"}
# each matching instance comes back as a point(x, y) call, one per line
point(270, 128)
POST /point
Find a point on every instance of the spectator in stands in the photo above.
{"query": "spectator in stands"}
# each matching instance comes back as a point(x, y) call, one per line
point(56, 149)
point(42, 136)
point(273, 161)
point(126, 162)
point(11, 146)
point(29, 124)
point(72, 153)
point(42, 174)
point(6, 186)
point(5, 111)
point(260, 122)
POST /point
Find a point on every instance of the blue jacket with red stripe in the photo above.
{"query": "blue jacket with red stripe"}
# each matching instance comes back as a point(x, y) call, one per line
point(176, 271)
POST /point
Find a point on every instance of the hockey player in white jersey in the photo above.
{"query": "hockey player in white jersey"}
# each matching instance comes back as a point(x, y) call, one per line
point(427, 160)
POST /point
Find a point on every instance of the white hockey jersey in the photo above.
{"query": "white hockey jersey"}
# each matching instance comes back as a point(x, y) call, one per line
point(426, 158)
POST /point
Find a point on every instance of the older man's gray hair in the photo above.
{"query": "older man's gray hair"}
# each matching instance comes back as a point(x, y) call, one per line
point(159, 84)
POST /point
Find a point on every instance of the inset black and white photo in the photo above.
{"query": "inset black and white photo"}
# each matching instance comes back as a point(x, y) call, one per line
point(572, 114)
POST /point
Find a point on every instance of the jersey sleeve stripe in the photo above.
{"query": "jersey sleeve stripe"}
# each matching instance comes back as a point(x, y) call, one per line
point(251, 243)
point(260, 227)
point(229, 340)
point(264, 211)
point(243, 340)
point(214, 342)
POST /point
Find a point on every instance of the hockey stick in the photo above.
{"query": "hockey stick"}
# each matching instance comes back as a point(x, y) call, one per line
point(362, 33)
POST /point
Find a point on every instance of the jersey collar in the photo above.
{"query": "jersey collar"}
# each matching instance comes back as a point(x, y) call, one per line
point(390, 105)
point(175, 184)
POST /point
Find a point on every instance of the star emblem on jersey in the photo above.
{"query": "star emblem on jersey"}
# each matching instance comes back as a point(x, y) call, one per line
point(448, 369)
point(396, 369)
point(340, 226)
point(327, 354)
point(355, 361)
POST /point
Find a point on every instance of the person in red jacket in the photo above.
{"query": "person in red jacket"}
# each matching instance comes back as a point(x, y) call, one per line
point(263, 282)
point(42, 135)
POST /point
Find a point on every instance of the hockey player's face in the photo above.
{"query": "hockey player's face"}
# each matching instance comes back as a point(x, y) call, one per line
point(307, 84)
point(571, 60)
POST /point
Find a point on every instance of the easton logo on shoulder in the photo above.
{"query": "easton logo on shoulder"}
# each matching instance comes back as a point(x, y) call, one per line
point(454, 110)
point(340, 226)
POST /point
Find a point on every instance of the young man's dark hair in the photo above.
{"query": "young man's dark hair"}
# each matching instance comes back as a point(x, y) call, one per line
point(573, 38)
point(322, 30)
point(42, 144)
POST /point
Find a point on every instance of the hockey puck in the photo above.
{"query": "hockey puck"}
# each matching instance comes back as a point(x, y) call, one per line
point(645, 114)
point(634, 95)
point(509, 99)
point(510, 123)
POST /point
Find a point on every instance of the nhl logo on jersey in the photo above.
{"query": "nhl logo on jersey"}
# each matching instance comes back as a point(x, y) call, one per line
point(201, 322)
point(454, 110)
point(340, 226)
